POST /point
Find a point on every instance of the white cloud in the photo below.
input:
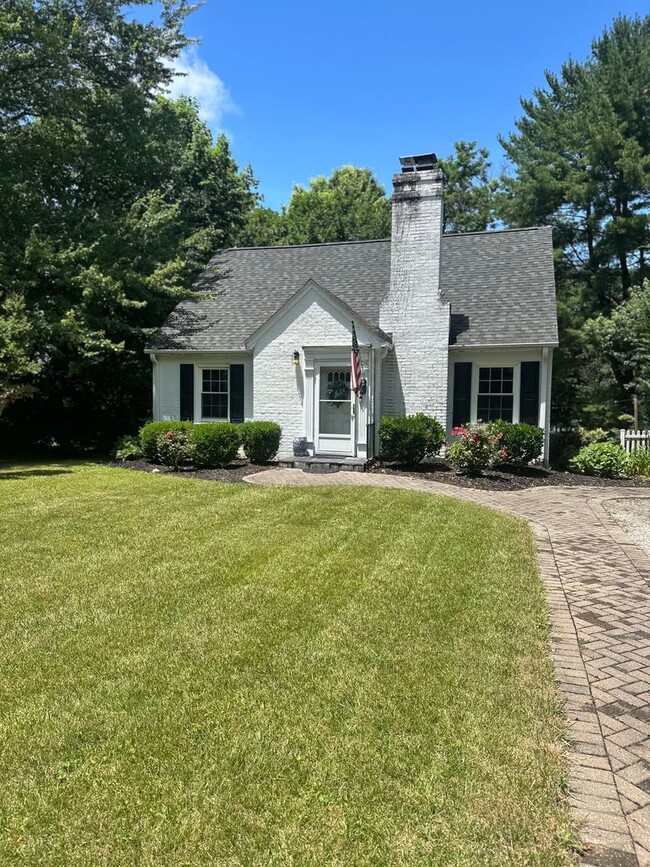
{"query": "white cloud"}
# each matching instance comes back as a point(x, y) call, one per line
point(195, 78)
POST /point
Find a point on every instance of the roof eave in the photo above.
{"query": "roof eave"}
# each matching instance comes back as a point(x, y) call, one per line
point(538, 344)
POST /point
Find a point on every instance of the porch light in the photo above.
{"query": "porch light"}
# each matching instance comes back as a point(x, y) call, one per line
point(295, 358)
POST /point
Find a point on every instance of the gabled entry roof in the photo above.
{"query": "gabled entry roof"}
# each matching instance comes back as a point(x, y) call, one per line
point(500, 285)
point(345, 309)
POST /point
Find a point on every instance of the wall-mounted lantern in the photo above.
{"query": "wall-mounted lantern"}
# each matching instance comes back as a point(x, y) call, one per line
point(295, 358)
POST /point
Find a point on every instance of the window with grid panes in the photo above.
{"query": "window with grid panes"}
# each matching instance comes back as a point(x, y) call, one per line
point(214, 393)
point(495, 393)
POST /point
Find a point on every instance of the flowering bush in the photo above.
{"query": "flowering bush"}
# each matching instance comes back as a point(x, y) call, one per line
point(476, 447)
point(150, 432)
point(523, 442)
point(175, 448)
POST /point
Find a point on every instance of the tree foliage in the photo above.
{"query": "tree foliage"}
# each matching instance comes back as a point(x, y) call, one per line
point(351, 205)
point(470, 192)
point(19, 360)
point(114, 198)
point(581, 159)
point(625, 337)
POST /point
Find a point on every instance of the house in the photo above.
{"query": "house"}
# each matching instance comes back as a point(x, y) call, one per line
point(460, 327)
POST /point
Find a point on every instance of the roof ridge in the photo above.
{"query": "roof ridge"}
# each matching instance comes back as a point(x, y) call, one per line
point(377, 240)
point(302, 246)
point(496, 231)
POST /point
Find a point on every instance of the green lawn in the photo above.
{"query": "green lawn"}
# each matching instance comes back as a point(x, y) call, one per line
point(208, 674)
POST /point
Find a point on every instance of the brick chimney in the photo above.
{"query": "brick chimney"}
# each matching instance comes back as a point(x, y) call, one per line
point(414, 310)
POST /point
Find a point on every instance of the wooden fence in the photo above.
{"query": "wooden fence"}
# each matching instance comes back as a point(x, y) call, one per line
point(632, 440)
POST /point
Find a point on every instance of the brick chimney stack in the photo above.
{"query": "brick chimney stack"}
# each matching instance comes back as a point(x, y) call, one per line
point(414, 310)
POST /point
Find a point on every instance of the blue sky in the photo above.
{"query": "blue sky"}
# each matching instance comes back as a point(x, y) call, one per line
point(302, 88)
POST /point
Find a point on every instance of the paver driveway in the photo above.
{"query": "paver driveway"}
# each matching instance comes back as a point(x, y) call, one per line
point(597, 582)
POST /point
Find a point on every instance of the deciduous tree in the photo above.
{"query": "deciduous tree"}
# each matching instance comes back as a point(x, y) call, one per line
point(114, 197)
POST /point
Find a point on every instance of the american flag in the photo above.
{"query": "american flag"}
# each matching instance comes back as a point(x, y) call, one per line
point(356, 363)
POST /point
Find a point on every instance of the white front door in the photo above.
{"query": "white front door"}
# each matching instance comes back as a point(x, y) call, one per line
point(334, 410)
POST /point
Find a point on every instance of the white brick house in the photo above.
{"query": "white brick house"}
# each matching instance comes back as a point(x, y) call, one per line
point(461, 327)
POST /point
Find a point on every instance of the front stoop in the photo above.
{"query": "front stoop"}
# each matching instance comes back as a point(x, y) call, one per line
point(324, 464)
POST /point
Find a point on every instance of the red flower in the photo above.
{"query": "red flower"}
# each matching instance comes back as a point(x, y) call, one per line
point(500, 435)
point(170, 434)
point(504, 454)
point(475, 438)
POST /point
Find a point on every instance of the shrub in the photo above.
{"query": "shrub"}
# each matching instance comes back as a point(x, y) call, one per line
point(150, 433)
point(594, 435)
point(567, 442)
point(215, 444)
point(128, 449)
point(601, 459)
point(261, 440)
point(476, 448)
point(175, 448)
point(408, 439)
point(638, 463)
point(523, 442)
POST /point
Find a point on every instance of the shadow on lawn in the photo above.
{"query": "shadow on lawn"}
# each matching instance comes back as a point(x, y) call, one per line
point(26, 474)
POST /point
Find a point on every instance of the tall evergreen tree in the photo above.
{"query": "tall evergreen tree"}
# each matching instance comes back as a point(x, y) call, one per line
point(581, 160)
point(470, 192)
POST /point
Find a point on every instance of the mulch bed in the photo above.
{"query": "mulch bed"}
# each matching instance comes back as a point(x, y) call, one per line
point(234, 472)
point(501, 479)
point(436, 470)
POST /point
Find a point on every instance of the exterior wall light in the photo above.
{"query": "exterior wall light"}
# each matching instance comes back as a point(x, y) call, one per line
point(295, 358)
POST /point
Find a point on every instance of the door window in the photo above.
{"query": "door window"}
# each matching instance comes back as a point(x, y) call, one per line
point(335, 401)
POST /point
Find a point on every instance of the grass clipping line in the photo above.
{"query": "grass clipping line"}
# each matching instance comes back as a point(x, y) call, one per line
point(237, 675)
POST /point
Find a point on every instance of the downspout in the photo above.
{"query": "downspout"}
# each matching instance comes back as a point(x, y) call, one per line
point(544, 394)
point(549, 383)
point(380, 355)
point(154, 386)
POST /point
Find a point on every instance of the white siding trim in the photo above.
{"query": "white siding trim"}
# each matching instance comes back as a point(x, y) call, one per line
point(167, 383)
point(507, 358)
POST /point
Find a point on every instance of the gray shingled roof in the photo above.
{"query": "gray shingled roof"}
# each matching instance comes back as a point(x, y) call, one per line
point(500, 284)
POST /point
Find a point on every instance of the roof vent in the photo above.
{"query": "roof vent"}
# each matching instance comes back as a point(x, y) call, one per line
point(420, 163)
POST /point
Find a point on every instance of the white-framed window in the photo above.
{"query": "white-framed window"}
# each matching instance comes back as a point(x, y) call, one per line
point(495, 398)
point(214, 393)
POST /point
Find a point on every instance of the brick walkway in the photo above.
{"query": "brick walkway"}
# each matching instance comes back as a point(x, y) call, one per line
point(597, 585)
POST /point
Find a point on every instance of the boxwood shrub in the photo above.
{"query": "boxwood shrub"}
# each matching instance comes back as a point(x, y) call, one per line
point(215, 444)
point(522, 442)
point(260, 440)
point(409, 439)
point(607, 460)
point(150, 432)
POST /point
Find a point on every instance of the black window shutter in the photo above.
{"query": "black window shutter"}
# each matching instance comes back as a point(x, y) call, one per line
point(236, 393)
point(462, 392)
point(187, 392)
point(529, 392)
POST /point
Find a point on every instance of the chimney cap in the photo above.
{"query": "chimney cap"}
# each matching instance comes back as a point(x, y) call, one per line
point(419, 163)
